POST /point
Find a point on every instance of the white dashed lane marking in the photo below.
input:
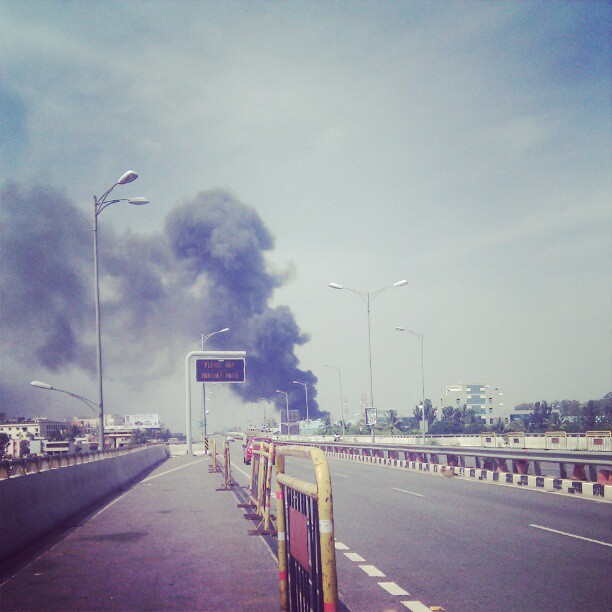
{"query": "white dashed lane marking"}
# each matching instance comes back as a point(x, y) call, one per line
point(393, 588)
point(416, 606)
point(372, 571)
point(409, 492)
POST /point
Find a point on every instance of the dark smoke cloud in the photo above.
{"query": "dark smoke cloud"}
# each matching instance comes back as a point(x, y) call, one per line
point(206, 271)
point(225, 240)
point(44, 292)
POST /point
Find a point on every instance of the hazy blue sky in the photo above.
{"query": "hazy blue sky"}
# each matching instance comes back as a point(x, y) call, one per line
point(462, 146)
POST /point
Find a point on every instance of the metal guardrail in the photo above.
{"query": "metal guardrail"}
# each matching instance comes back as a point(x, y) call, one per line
point(587, 465)
point(42, 463)
point(306, 550)
point(532, 441)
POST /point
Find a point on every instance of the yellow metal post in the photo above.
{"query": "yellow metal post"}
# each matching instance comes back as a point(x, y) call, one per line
point(321, 492)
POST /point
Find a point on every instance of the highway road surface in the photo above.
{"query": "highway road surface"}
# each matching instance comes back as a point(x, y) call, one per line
point(407, 540)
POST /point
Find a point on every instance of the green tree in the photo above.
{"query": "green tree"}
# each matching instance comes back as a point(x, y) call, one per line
point(164, 433)
point(590, 412)
point(606, 409)
point(539, 419)
point(392, 423)
point(4, 440)
point(326, 428)
point(471, 423)
point(569, 408)
point(525, 407)
point(139, 437)
point(428, 409)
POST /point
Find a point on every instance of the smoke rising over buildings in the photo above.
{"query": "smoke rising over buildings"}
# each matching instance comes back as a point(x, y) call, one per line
point(205, 271)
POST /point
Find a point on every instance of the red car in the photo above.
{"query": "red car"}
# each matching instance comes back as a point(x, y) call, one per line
point(248, 447)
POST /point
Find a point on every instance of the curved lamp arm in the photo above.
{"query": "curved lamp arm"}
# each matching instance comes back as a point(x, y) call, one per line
point(46, 387)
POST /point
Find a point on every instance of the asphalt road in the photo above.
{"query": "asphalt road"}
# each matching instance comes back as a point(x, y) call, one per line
point(404, 540)
point(463, 545)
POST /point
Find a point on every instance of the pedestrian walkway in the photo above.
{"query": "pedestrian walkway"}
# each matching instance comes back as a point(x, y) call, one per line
point(171, 542)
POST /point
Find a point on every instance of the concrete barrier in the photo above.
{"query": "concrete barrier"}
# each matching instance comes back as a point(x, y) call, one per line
point(35, 504)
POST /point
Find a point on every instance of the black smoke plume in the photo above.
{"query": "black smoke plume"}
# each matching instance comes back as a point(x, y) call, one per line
point(205, 271)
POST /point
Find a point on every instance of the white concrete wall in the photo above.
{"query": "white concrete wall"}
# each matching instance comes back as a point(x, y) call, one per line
point(35, 504)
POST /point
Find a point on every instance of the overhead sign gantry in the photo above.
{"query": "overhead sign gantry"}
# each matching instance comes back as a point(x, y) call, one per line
point(211, 366)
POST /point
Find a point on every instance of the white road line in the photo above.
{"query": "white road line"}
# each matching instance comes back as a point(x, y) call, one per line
point(571, 535)
point(393, 588)
point(371, 570)
point(172, 470)
point(409, 492)
point(340, 546)
point(341, 475)
point(354, 557)
point(416, 606)
point(108, 506)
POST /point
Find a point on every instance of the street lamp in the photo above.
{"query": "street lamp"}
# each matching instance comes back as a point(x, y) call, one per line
point(287, 400)
point(422, 407)
point(337, 368)
point(99, 205)
point(419, 335)
point(204, 411)
point(265, 399)
point(297, 382)
point(367, 297)
point(90, 404)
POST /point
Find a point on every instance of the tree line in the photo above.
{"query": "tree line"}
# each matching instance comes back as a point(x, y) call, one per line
point(538, 417)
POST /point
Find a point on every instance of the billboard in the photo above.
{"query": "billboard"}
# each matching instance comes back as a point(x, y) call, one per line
point(142, 421)
point(370, 416)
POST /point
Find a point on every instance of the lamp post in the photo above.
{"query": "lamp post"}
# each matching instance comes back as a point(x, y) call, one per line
point(419, 335)
point(286, 400)
point(337, 368)
point(90, 403)
point(265, 399)
point(99, 205)
point(367, 297)
point(204, 411)
point(297, 382)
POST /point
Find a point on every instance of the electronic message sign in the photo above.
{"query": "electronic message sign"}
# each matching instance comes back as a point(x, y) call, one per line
point(220, 370)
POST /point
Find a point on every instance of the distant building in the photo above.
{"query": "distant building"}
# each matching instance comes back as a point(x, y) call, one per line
point(486, 401)
point(34, 428)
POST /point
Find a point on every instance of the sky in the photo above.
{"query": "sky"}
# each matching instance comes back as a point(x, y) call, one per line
point(461, 146)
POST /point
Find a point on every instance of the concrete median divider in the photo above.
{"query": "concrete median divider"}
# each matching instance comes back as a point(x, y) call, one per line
point(34, 504)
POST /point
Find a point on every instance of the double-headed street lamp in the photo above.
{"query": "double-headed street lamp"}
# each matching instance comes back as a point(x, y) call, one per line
point(204, 411)
point(337, 368)
point(99, 205)
point(286, 400)
point(367, 297)
point(305, 385)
